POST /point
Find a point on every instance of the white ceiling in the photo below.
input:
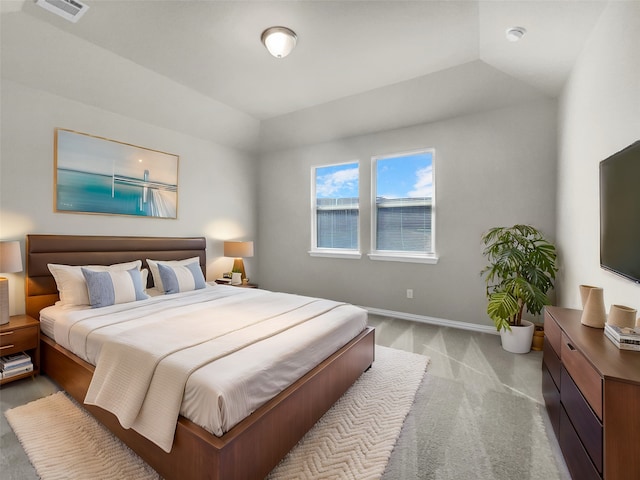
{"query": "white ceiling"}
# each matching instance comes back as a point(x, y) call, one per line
point(345, 48)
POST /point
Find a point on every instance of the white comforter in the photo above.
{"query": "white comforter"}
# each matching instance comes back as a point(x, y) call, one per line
point(213, 355)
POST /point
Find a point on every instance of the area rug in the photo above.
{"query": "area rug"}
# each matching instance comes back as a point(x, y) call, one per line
point(353, 440)
point(64, 442)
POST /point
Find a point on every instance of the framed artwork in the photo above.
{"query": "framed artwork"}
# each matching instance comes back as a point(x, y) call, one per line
point(101, 176)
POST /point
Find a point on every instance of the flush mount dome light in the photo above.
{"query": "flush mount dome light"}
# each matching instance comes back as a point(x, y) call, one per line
point(515, 33)
point(279, 41)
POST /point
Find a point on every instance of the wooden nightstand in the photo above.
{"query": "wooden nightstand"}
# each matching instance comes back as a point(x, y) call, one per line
point(248, 285)
point(21, 334)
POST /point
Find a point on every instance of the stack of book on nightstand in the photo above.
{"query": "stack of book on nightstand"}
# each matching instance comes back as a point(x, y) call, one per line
point(623, 337)
point(11, 365)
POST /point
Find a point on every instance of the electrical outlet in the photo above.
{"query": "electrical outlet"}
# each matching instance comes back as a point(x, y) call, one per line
point(409, 293)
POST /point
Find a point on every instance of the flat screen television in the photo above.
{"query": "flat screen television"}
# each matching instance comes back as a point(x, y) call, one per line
point(620, 212)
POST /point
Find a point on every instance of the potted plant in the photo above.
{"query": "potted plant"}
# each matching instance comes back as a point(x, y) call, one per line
point(521, 270)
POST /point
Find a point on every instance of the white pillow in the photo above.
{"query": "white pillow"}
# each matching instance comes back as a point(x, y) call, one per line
point(181, 278)
point(145, 274)
point(157, 278)
point(112, 287)
point(71, 284)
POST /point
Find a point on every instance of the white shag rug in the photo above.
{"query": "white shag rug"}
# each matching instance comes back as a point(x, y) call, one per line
point(353, 440)
point(64, 442)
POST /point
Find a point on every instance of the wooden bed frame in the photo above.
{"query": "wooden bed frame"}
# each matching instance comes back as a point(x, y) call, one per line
point(252, 448)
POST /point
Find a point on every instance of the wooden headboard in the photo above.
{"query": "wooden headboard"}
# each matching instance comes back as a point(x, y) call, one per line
point(40, 286)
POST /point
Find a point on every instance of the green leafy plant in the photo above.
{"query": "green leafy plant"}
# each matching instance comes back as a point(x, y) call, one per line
point(521, 270)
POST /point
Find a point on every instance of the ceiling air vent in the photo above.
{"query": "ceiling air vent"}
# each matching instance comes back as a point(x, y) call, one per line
point(72, 10)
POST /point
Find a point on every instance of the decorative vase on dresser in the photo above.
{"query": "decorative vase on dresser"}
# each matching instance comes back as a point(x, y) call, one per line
point(593, 311)
point(592, 394)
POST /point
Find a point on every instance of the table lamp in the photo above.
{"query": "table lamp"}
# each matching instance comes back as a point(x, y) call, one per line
point(238, 250)
point(10, 262)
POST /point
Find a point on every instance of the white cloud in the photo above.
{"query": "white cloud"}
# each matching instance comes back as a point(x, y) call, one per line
point(336, 184)
point(424, 183)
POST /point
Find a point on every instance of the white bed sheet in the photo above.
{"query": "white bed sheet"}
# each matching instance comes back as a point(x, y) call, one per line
point(258, 372)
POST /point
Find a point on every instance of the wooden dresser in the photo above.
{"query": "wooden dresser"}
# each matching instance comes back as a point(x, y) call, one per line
point(592, 394)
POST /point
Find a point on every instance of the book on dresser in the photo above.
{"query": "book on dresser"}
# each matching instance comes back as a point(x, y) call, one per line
point(623, 337)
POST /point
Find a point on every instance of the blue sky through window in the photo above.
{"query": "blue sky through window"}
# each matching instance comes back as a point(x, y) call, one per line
point(405, 176)
point(337, 181)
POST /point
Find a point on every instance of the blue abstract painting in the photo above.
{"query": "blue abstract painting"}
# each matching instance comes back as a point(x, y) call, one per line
point(102, 176)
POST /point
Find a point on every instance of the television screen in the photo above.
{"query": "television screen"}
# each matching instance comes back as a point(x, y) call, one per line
point(620, 212)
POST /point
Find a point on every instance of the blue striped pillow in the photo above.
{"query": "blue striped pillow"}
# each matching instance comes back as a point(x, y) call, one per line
point(110, 288)
point(181, 278)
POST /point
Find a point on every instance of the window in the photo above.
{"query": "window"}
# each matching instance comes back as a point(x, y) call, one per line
point(335, 210)
point(403, 207)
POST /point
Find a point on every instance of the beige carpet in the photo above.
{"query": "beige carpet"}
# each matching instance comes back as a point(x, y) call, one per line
point(353, 440)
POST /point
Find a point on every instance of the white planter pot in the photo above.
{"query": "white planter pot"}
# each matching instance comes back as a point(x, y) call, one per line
point(518, 340)
point(236, 278)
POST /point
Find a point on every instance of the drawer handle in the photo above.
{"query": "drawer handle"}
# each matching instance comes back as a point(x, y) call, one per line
point(6, 333)
point(571, 347)
point(6, 346)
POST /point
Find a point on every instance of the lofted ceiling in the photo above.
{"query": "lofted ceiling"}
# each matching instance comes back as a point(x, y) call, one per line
point(345, 48)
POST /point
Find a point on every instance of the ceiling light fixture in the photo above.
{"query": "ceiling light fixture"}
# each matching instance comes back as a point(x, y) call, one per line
point(515, 33)
point(279, 41)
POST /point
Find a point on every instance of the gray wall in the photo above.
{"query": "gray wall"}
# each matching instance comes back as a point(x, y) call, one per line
point(492, 168)
point(599, 115)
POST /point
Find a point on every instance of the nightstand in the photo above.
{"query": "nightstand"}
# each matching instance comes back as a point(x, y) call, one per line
point(249, 285)
point(21, 334)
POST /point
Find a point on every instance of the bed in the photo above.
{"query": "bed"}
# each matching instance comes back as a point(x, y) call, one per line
point(252, 447)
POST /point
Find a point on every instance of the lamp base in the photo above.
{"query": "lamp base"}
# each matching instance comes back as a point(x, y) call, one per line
point(4, 301)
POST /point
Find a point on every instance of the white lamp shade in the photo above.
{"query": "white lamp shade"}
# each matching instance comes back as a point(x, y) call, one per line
point(238, 249)
point(10, 262)
point(280, 41)
point(10, 257)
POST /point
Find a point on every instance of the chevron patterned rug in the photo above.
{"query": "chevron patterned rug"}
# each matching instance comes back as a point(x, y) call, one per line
point(353, 440)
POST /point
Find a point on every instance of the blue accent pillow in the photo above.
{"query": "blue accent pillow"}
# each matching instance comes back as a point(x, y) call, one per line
point(181, 278)
point(110, 288)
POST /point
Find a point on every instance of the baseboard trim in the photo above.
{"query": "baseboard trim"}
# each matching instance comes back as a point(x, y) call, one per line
point(443, 322)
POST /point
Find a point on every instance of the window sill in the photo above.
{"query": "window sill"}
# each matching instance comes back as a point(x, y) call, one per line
point(403, 257)
point(351, 254)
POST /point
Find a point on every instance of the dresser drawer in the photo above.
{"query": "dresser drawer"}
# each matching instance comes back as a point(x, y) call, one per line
point(551, 396)
point(552, 332)
point(587, 379)
point(17, 340)
point(584, 421)
point(552, 361)
point(576, 457)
